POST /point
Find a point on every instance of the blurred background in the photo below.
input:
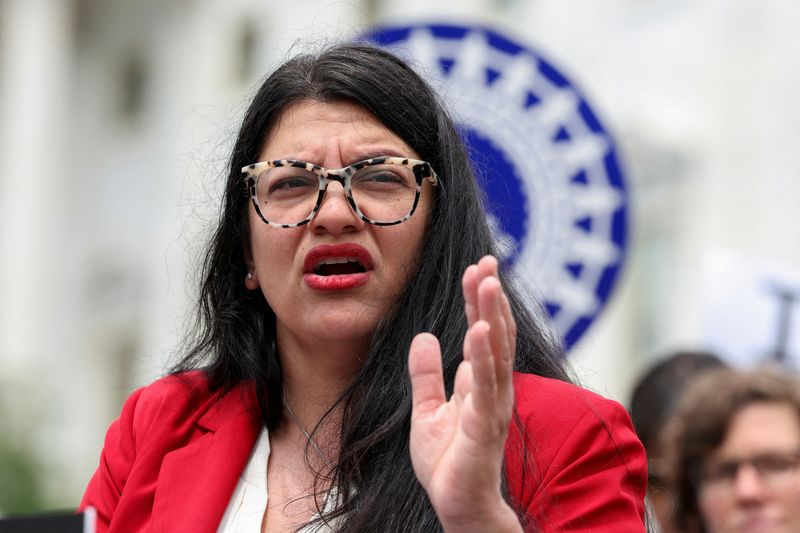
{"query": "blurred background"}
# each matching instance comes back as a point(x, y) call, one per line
point(116, 117)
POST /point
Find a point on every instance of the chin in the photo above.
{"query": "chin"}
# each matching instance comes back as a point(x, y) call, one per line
point(760, 524)
point(344, 329)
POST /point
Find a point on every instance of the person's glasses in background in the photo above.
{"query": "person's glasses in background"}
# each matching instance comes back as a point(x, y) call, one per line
point(774, 469)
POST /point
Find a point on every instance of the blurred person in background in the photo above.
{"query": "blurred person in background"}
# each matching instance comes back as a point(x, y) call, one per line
point(733, 453)
point(312, 399)
point(652, 404)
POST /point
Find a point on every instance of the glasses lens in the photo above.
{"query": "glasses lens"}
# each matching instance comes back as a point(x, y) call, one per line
point(286, 195)
point(776, 464)
point(772, 468)
point(384, 193)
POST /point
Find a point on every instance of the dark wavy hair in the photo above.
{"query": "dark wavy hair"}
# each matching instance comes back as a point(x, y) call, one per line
point(234, 337)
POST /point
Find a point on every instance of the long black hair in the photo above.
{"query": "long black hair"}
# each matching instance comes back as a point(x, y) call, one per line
point(235, 329)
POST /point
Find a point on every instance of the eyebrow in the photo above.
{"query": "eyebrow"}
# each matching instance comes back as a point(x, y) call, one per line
point(379, 153)
point(361, 156)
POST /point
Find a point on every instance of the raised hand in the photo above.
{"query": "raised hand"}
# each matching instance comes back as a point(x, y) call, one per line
point(457, 444)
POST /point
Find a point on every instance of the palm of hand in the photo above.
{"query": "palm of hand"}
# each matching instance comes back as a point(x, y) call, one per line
point(457, 444)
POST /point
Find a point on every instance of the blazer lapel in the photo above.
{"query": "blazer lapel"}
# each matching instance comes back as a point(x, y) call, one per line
point(196, 481)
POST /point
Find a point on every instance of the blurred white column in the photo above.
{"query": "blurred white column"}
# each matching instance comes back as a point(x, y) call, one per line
point(34, 58)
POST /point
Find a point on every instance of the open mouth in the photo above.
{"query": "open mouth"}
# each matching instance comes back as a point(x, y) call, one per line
point(337, 267)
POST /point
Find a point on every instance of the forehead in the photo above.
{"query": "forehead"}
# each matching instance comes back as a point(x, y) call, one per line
point(314, 131)
point(762, 427)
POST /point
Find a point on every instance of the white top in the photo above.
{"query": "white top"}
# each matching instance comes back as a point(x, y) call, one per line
point(246, 507)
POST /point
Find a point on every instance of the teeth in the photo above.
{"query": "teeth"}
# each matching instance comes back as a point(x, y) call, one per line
point(337, 261)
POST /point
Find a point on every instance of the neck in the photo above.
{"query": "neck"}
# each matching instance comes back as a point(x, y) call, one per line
point(310, 440)
point(314, 378)
point(316, 373)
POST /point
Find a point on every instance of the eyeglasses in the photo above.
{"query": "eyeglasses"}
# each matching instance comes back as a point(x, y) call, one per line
point(382, 190)
point(774, 469)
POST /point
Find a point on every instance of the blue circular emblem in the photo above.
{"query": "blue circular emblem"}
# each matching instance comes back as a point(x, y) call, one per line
point(557, 200)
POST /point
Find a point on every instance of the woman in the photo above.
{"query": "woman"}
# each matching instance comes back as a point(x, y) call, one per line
point(320, 404)
point(653, 402)
point(734, 454)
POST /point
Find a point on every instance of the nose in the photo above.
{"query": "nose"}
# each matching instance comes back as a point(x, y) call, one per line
point(335, 215)
point(748, 485)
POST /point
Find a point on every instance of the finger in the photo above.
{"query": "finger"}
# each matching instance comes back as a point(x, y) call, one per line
point(511, 325)
point(489, 303)
point(473, 275)
point(425, 369)
point(469, 286)
point(506, 375)
point(490, 296)
point(463, 381)
point(487, 268)
point(484, 385)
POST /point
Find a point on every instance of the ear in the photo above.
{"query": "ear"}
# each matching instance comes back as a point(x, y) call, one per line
point(251, 278)
point(251, 281)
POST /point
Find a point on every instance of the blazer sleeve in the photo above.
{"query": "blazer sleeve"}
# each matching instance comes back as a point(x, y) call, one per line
point(116, 461)
point(579, 467)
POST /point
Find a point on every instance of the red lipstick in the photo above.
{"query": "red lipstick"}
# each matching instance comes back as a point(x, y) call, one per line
point(336, 267)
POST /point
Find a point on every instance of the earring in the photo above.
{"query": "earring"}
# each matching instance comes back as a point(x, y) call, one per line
point(249, 275)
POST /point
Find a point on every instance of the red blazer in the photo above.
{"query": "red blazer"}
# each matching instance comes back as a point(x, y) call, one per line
point(172, 459)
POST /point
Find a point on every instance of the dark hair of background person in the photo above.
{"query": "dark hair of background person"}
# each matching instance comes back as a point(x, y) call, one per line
point(235, 330)
point(656, 394)
point(701, 423)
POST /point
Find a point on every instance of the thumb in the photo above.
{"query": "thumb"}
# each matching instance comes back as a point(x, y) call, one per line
point(425, 368)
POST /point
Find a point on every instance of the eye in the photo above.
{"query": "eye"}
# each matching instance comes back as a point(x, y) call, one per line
point(288, 182)
point(286, 185)
point(293, 182)
point(383, 176)
point(775, 463)
point(720, 472)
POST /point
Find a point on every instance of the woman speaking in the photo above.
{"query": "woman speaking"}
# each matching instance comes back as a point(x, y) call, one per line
point(360, 363)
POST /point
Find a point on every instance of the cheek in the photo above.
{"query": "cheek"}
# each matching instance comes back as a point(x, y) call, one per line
point(790, 499)
point(268, 242)
point(406, 243)
point(273, 253)
point(418, 227)
point(266, 248)
point(402, 253)
point(714, 510)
